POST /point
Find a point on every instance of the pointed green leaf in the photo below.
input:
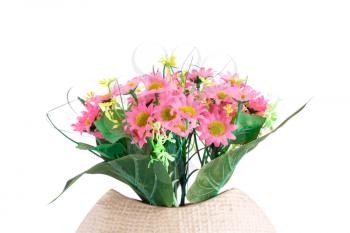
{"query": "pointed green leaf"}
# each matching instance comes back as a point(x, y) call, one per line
point(248, 127)
point(111, 151)
point(215, 174)
point(84, 146)
point(152, 184)
point(105, 126)
point(108, 151)
point(81, 100)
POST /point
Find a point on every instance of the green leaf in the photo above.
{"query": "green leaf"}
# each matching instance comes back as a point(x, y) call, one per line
point(215, 174)
point(152, 184)
point(81, 100)
point(105, 126)
point(248, 127)
point(84, 146)
point(112, 151)
point(133, 94)
point(109, 151)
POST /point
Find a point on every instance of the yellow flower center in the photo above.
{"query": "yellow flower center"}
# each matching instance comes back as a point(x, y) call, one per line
point(131, 84)
point(216, 128)
point(106, 96)
point(188, 109)
point(233, 81)
point(243, 96)
point(141, 119)
point(166, 114)
point(155, 86)
point(221, 95)
point(182, 127)
point(228, 108)
point(87, 122)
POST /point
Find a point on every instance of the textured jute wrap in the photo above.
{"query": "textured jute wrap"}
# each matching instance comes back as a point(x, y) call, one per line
point(231, 211)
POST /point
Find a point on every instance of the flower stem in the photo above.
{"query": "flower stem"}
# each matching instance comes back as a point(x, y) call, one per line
point(196, 144)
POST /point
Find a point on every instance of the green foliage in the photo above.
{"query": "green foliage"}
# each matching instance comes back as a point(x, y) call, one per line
point(107, 151)
point(160, 152)
point(133, 94)
point(108, 129)
point(81, 100)
point(248, 127)
point(271, 115)
point(151, 183)
point(84, 146)
point(107, 83)
point(215, 174)
point(112, 151)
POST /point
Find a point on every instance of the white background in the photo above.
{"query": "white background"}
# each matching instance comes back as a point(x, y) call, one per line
point(291, 49)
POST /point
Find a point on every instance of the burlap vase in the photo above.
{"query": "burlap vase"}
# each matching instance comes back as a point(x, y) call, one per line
point(231, 211)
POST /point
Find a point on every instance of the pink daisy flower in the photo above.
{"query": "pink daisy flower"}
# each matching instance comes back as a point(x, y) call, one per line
point(229, 108)
point(216, 129)
point(220, 93)
point(182, 128)
point(155, 83)
point(178, 113)
point(140, 138)
point(86, 120)
point(142, 99)
point(140, 120)
point(232, 79)
point(201, 72)
point(166, 114)
point(126, 88)
point(96, 99)
point(245, 93)
point(188, 107)
point(258, 105)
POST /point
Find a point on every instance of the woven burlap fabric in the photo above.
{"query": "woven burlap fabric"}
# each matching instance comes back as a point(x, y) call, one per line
point(231, 211)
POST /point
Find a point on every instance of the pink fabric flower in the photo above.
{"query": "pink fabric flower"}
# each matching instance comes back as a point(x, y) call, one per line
point(258, 105)
point(187, 111)
point(216, 129)
point(96, 99)
point(183, 127)
point(126, 88)
point(201, 72)
point(220, 93)
point(86, 120)
point(155, 83)
point(139, 120)
point(166, 113)
point(245, 93)
point(188, 107)
point(232, 79)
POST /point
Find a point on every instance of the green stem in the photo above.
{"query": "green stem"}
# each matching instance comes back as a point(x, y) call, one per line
point(188, 160)
point(183, 175)
point(185, 149)
point(205, 156)
point(188, 177)
point(196, 144)
point(49, 119)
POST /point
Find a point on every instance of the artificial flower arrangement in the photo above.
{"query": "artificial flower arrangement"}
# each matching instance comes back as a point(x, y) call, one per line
point(169, 119)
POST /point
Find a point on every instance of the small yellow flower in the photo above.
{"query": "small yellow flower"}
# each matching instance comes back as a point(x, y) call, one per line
point(183, 78)
point(169, 62)
point(107, 83)
point(90, 94)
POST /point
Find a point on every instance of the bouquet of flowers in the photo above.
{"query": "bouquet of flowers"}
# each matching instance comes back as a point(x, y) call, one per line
point(156, 130)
